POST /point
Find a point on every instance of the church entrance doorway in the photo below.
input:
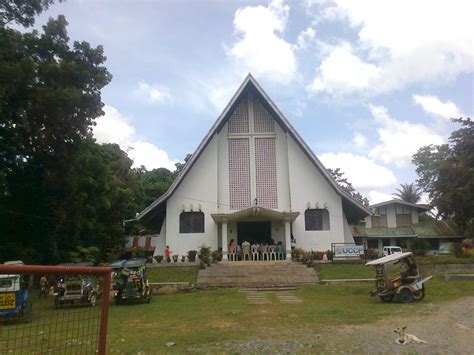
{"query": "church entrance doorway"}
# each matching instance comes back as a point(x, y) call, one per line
point(254, 232)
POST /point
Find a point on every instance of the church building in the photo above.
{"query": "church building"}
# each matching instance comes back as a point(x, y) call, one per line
point(252, 178)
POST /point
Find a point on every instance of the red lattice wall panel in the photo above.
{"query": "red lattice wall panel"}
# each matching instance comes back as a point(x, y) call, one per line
point(263, 121)
point(239, 120)
point(239, 173)
point(265, 171)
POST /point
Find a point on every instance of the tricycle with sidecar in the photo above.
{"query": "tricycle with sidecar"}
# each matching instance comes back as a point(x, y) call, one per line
point(130, 280)
point(405, 287)
point(77, 289)
point(14, 302)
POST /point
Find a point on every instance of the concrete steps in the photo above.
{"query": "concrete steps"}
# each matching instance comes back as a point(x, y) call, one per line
point(257, 274)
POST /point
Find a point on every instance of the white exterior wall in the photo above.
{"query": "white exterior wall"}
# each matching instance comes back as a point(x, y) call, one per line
point(391, 217)
point(161, 241)
point(308, 185)
point(298, 182)
point(368, 221)
point(414, 216)
point(348, 238)
point(199, 185)
point(282, 165)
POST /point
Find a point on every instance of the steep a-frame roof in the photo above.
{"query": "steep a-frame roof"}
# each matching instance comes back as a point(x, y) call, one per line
point(358, 209)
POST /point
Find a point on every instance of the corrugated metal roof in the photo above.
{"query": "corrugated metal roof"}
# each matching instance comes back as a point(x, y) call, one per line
point(425, 229)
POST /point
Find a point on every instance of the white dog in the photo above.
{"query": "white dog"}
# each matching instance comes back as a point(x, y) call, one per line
point(405, 338)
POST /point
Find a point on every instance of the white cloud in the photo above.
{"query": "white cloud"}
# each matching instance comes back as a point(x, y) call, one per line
point(261, 49)
point(399, 140)
point(150, 156)
point(405, 42)
point(359, 140)
point(375, 196)
point(152, 93)
point(363, 173)
point(435, 106)
point(114, 127)
point(342, 72)
point(305, 38)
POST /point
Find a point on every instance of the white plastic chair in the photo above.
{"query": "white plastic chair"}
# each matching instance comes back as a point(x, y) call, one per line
point(264, 251)
point(255, 248)
point(272, 252)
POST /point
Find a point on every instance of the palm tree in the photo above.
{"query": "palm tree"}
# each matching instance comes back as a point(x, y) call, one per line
point(408, 193)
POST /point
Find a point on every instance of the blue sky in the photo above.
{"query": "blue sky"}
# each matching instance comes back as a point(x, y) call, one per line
point(366, 83)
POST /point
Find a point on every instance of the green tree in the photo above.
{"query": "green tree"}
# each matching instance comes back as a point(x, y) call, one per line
point(180, 166)
point(408, 192)
point(342, 181)
point(22, 12)
point(49, 98)
point(447, 173)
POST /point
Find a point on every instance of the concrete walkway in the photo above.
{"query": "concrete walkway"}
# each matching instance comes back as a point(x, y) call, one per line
point(285, 296)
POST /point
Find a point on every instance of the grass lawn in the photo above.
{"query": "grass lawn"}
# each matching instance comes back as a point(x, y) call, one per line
point(429, 260)
point(209, 317)
point(344, 271)
point(202, 319)
point(173, 274)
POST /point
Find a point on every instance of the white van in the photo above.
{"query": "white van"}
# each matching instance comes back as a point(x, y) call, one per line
point(391, 250)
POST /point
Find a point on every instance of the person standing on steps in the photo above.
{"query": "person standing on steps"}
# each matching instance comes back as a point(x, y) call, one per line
point(293, 242)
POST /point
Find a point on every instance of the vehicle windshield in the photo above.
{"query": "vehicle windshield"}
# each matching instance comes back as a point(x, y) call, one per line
point(9, 282)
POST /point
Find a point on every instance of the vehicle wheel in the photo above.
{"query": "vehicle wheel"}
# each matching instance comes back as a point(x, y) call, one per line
point(405, 295)
point(93, 300)
point(419, 295)
point(387, 298)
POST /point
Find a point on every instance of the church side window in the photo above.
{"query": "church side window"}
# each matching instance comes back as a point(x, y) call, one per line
point(191, 222)
point(316, 219)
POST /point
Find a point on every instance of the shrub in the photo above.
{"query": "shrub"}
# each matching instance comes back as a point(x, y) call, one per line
point(202, 265)
point(329, 254)
point(216, 255)
point(84, 253)
point(466, 248)
point(205, 254)
point(192, 255)
point(297, 254)
point(420, 247)
point(175, 258)
point(159, 258)
point(371, 254)
point(316, 255)
point(183, 258)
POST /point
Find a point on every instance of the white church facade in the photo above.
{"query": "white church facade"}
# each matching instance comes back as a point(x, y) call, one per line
point(252, 178)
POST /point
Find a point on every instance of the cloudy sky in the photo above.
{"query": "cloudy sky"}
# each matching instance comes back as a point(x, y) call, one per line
point(366, 83)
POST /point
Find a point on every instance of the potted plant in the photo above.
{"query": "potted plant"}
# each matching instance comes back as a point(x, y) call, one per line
point(192, 256)
point(175, 258)
point(183, 258)
point(159, 258)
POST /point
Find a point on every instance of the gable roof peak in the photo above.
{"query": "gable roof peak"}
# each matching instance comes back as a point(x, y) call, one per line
point(286, 126)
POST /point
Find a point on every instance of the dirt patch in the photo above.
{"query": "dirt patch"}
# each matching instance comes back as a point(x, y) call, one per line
point(448, 328)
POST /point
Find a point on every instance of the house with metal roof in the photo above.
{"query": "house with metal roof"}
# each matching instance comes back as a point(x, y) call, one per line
point(252, 178)
point(397, 222)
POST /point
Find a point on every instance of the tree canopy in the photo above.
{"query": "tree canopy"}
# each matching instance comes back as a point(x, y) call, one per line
point(344, 183)
point(408, 193)
point(446, 173)
point(60, 191)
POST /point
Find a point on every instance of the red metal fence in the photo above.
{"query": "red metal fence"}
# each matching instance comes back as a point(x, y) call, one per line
point(53, 309)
